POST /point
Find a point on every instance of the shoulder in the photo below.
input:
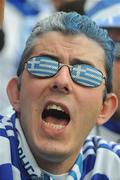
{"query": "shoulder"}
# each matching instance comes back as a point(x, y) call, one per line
point(8, 140)
point(96, 144)
point(107, 133)
point(9, 165)
point(100, 157)
point(7, 126)
point(1, 116)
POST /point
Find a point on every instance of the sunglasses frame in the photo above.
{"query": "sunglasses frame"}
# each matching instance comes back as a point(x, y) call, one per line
point(70, 67)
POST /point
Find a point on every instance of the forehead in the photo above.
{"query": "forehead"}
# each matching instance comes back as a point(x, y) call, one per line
point(69, 47)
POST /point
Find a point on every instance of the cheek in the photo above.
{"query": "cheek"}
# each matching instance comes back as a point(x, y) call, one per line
point(89, 104)
point(29, 95)
point(89, 98)
point(29, 103)
point(32, 90)
point(87, 110)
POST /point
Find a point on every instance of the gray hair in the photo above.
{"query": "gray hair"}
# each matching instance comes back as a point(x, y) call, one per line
point(117, 50)
point(72, 23)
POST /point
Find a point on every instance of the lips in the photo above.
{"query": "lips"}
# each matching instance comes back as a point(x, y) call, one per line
point(55, 116)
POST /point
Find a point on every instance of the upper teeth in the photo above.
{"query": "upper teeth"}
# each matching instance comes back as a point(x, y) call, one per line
point(53, 106)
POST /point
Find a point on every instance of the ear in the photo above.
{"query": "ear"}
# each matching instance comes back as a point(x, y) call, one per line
point(108, 109)
point(14, 94)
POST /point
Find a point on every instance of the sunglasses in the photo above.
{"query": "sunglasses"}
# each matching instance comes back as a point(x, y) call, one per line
point(82, 74)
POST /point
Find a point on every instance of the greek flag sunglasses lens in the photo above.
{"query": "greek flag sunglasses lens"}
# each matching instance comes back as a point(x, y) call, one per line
point(42, 66)
point(87, 75)
point(82, 74)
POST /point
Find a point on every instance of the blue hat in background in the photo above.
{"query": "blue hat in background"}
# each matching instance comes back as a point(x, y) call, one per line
point(106, 13)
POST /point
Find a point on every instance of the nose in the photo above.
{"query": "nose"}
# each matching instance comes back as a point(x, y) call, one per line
point(62, 81)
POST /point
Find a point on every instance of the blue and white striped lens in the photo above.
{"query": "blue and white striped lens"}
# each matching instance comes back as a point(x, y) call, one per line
point(87, 75)
point(42, 66)
point(83, 74)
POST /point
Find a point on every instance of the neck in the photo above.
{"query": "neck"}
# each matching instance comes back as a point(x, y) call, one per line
point(57, 168)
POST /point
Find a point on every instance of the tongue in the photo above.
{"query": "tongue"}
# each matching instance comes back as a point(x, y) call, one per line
point(56, 121)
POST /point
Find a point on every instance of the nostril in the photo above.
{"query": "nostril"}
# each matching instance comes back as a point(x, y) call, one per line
point(55, 87)
point(66, 89)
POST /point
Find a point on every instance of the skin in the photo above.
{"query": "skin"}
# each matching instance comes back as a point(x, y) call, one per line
point(116, 85)
point(56, 150)
point(1, 13)
point(57, 3)
point(115, 35)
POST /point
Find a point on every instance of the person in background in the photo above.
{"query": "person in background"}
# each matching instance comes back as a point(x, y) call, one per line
point(107, 15)
point(1, 13)
point(63, 87)
point(77, 5)
point(1, 24)
point(58, 3)
point(2, 39)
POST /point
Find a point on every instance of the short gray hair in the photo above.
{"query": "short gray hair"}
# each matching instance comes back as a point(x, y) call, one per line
point(117, 50)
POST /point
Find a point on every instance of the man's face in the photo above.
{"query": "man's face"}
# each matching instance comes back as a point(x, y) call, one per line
point(52, 139)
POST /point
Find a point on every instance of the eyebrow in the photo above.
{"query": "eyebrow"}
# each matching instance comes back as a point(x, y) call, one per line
point(51, 56)
point(73, 61)
point(81, 61)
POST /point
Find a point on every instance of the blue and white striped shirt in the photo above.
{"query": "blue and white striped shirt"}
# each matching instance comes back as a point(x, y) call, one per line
point(97, 160)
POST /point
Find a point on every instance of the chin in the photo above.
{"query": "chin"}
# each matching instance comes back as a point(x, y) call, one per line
point(52, 154)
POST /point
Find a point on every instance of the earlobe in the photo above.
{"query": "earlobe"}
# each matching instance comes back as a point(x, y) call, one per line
point(13, 93)
point(108, 109)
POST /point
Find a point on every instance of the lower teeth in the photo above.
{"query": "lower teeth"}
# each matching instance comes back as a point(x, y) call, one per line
point(54, 126)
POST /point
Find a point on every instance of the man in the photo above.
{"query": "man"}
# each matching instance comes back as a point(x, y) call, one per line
point(107, 15)
point(62, 90)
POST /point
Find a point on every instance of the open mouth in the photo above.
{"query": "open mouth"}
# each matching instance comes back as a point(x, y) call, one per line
point(55, 116)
